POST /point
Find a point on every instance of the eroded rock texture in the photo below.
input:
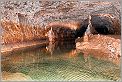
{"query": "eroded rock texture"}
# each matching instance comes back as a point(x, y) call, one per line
point(101, 44)
point(28, 20)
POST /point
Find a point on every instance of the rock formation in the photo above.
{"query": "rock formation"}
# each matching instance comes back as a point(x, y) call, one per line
point(23, 21)
point(107, 45)
point(39, 16)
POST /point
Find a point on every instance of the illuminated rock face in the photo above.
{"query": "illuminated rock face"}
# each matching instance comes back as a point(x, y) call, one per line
point(26, 21)
point(14, 33)
point(109, 45)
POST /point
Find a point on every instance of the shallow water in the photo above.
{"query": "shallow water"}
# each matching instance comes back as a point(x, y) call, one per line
point(60, 61)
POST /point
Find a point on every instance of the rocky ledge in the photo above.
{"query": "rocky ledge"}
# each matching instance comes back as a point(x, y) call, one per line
point(9, 48)
point(100, 45)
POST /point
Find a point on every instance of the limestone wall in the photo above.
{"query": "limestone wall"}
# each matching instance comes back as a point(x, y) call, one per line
point(27, 20)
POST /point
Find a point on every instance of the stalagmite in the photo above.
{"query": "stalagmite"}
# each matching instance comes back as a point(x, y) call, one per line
point(88, 30)
point(51, 35)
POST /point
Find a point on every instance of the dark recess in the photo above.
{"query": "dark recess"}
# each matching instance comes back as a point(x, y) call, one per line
point(102, 25)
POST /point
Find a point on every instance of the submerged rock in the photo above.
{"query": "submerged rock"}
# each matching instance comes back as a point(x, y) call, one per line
point(7, 76)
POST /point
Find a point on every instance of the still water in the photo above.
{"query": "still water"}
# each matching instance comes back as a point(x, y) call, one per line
point(60, 61)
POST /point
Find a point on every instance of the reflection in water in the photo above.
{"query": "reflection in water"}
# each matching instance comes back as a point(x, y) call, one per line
point(60, 47)
point(60, 61)
point(51, 47)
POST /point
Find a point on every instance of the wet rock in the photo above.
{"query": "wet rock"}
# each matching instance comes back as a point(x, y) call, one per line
point(7, 49)
point(105, 44)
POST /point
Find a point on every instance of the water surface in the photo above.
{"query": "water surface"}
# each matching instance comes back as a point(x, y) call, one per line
point(60, 61)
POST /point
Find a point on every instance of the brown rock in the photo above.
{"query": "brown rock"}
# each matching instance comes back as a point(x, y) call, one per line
point(6, 76)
